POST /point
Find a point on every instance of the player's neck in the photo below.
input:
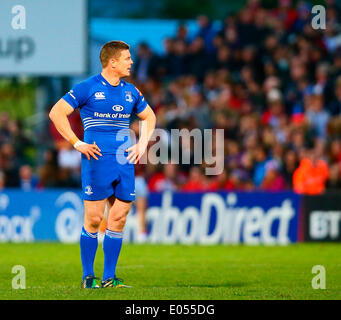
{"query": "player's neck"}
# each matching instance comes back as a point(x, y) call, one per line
point(113, 79)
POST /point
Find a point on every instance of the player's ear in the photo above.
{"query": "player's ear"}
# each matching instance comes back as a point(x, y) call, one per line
point(113, 63)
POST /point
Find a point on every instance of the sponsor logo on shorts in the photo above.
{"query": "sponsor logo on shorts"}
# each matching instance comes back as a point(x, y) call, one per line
point(88, 190)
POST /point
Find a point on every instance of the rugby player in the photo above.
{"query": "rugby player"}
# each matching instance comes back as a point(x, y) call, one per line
point(106, 102)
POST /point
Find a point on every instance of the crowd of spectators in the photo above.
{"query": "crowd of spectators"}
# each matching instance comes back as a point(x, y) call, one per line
point(270, 80)
point(18, 165)
point(266, 77)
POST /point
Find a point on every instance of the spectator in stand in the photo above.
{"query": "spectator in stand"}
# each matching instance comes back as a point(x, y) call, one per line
point(317, 116)
point(68, 157)
point(48, 173)
point(246, 28)
point(196, 181)
point(15, 148)
point(166, 180)
point(223, 59)
point(335, 68)
point(69, 163)
point(262, 30)
point(311, 175)
point(220, 182)
point(332, 4)
point(335, 105)
point(334, 179)
point(207, 32)
point(285, 14)
point(199, 110)
point(289, 166)
point(4, 132)
point(303, 16)
point(297, 140)
point(10, 165)
point(233, 40)
point(273, 180)
point(197, 58)
point(28, 181)
point(275, 110)
point(334, 151)
point(2, 180)
point(146, 65)
point(20, 142)
point(182, 33)
point(180, 59)
point(260, 167)
point(211, 88)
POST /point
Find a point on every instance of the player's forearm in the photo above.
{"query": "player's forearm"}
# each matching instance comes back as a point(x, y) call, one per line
point(147, 128)
point(62, 125)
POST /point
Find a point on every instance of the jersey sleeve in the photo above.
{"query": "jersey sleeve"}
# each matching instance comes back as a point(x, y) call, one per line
point(141, 103)
point(77, 96)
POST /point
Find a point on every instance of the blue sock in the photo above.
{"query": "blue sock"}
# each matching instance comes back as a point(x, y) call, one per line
point(111, 246)
point(88, 244)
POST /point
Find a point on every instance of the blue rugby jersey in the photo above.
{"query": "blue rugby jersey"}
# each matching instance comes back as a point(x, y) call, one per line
point(105, 111)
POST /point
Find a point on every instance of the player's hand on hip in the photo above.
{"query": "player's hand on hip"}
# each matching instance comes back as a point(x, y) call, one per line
point(136, 151)
point(89, 150)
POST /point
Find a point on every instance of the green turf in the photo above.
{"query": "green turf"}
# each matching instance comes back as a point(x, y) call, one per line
point(53, 271)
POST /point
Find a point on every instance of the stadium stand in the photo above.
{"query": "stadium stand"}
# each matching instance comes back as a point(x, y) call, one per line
point(267, 78)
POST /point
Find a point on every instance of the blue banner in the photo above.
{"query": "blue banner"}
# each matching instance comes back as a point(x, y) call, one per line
point(187, 218)
point(42, 215)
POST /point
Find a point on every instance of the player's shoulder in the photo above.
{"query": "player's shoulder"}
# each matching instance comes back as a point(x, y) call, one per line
point(87, 86)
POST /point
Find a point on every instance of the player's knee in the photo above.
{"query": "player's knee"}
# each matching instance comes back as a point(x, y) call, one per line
point(123, 219)
point(94, 222)
point(120, 219)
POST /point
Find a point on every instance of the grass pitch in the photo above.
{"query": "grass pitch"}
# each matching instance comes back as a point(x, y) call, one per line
point(176, 272)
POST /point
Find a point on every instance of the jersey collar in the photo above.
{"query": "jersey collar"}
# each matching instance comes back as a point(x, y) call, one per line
point(108, 84)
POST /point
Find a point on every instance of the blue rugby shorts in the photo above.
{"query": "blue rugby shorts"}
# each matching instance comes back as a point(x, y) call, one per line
point(107, 176)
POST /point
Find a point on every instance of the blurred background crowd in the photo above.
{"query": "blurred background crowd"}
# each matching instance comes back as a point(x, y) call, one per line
point(267, 78)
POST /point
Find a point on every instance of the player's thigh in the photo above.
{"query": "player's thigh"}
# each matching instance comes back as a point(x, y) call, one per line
point(94, 211)
point(125, 189)
point(119, 209)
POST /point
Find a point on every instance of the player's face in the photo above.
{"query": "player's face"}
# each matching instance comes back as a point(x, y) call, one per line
point(124, 63)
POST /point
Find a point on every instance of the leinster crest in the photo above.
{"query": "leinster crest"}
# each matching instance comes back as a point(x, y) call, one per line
point(128, 96)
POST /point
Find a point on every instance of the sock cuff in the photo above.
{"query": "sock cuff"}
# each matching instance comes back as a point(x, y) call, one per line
point(89, 234)
point(113, 234)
